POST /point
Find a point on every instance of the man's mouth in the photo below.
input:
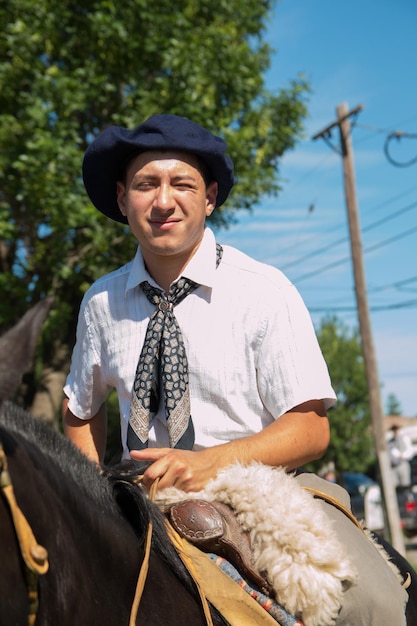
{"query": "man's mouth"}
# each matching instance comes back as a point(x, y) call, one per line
point(164, 224)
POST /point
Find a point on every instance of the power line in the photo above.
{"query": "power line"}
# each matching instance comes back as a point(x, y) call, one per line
point(390, 217)
point(314, 253)
point(337, 227)
point(386, 131)
point(390, 136)
point(398, 135)
point(322, 269)
point(384, 243)
point(339, 262)
point(322, 249)
point(396, 285)
point(408, 304)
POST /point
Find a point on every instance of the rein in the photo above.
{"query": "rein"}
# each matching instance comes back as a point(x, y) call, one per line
point(34, 555)
point(140, 585)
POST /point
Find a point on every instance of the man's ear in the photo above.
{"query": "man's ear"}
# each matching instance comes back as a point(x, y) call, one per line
point(121, 196)
point(211, 197)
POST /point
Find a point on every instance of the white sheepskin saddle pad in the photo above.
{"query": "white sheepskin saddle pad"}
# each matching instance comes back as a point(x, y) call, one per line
point(292, 538)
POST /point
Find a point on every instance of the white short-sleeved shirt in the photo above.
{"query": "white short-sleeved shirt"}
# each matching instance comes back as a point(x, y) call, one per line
point(251, 346)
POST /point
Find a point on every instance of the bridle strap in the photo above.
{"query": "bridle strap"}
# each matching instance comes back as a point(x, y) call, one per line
point(34, 555)
point(140, 585)
point(176, 540)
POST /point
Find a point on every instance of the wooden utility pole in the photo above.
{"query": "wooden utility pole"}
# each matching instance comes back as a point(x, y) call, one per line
point(371, 369)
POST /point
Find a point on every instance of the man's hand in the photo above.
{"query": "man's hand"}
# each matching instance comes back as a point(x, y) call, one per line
point(185, 469)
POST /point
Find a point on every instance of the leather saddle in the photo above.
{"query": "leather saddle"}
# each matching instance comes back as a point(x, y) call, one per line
point(213, 527)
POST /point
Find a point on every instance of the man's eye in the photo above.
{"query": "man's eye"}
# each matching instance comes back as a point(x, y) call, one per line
point(184, 186)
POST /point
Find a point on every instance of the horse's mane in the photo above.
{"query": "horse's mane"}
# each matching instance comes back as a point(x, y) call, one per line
point(59, 451)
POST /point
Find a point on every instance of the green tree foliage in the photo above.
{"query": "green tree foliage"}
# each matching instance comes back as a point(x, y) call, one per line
point(351, 447)
point(68, 69)
point(393, 405)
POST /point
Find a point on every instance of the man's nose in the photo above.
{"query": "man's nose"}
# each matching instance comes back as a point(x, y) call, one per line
point(165, 197)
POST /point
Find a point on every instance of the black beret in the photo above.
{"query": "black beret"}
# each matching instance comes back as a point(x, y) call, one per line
point(110, 152)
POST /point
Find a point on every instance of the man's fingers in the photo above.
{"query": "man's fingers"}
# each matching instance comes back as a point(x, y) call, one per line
point(150, 454)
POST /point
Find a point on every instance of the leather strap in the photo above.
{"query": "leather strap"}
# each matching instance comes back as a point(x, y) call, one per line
point(33, 554)
point(317, 493)
point(140, 585)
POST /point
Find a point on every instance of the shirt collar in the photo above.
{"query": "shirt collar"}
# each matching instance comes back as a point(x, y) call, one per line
point(201, 268)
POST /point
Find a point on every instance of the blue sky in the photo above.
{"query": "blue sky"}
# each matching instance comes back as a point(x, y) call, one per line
point(354, 53)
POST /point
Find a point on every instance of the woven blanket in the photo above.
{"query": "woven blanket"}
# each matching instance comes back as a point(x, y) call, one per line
point(273, 608)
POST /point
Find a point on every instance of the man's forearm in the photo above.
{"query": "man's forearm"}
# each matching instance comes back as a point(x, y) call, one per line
point(88, 435)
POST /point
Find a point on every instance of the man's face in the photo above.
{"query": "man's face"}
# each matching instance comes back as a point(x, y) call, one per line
point(166, 202)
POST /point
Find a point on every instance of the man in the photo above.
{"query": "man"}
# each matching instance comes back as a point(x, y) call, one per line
point(400, 451)
point(250, 382)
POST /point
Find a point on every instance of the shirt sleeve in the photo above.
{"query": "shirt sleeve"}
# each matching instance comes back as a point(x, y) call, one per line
point(85, 386)
point(291, 366)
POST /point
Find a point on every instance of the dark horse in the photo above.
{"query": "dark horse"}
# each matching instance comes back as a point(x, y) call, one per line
point(93, 526)
point(93, 529)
